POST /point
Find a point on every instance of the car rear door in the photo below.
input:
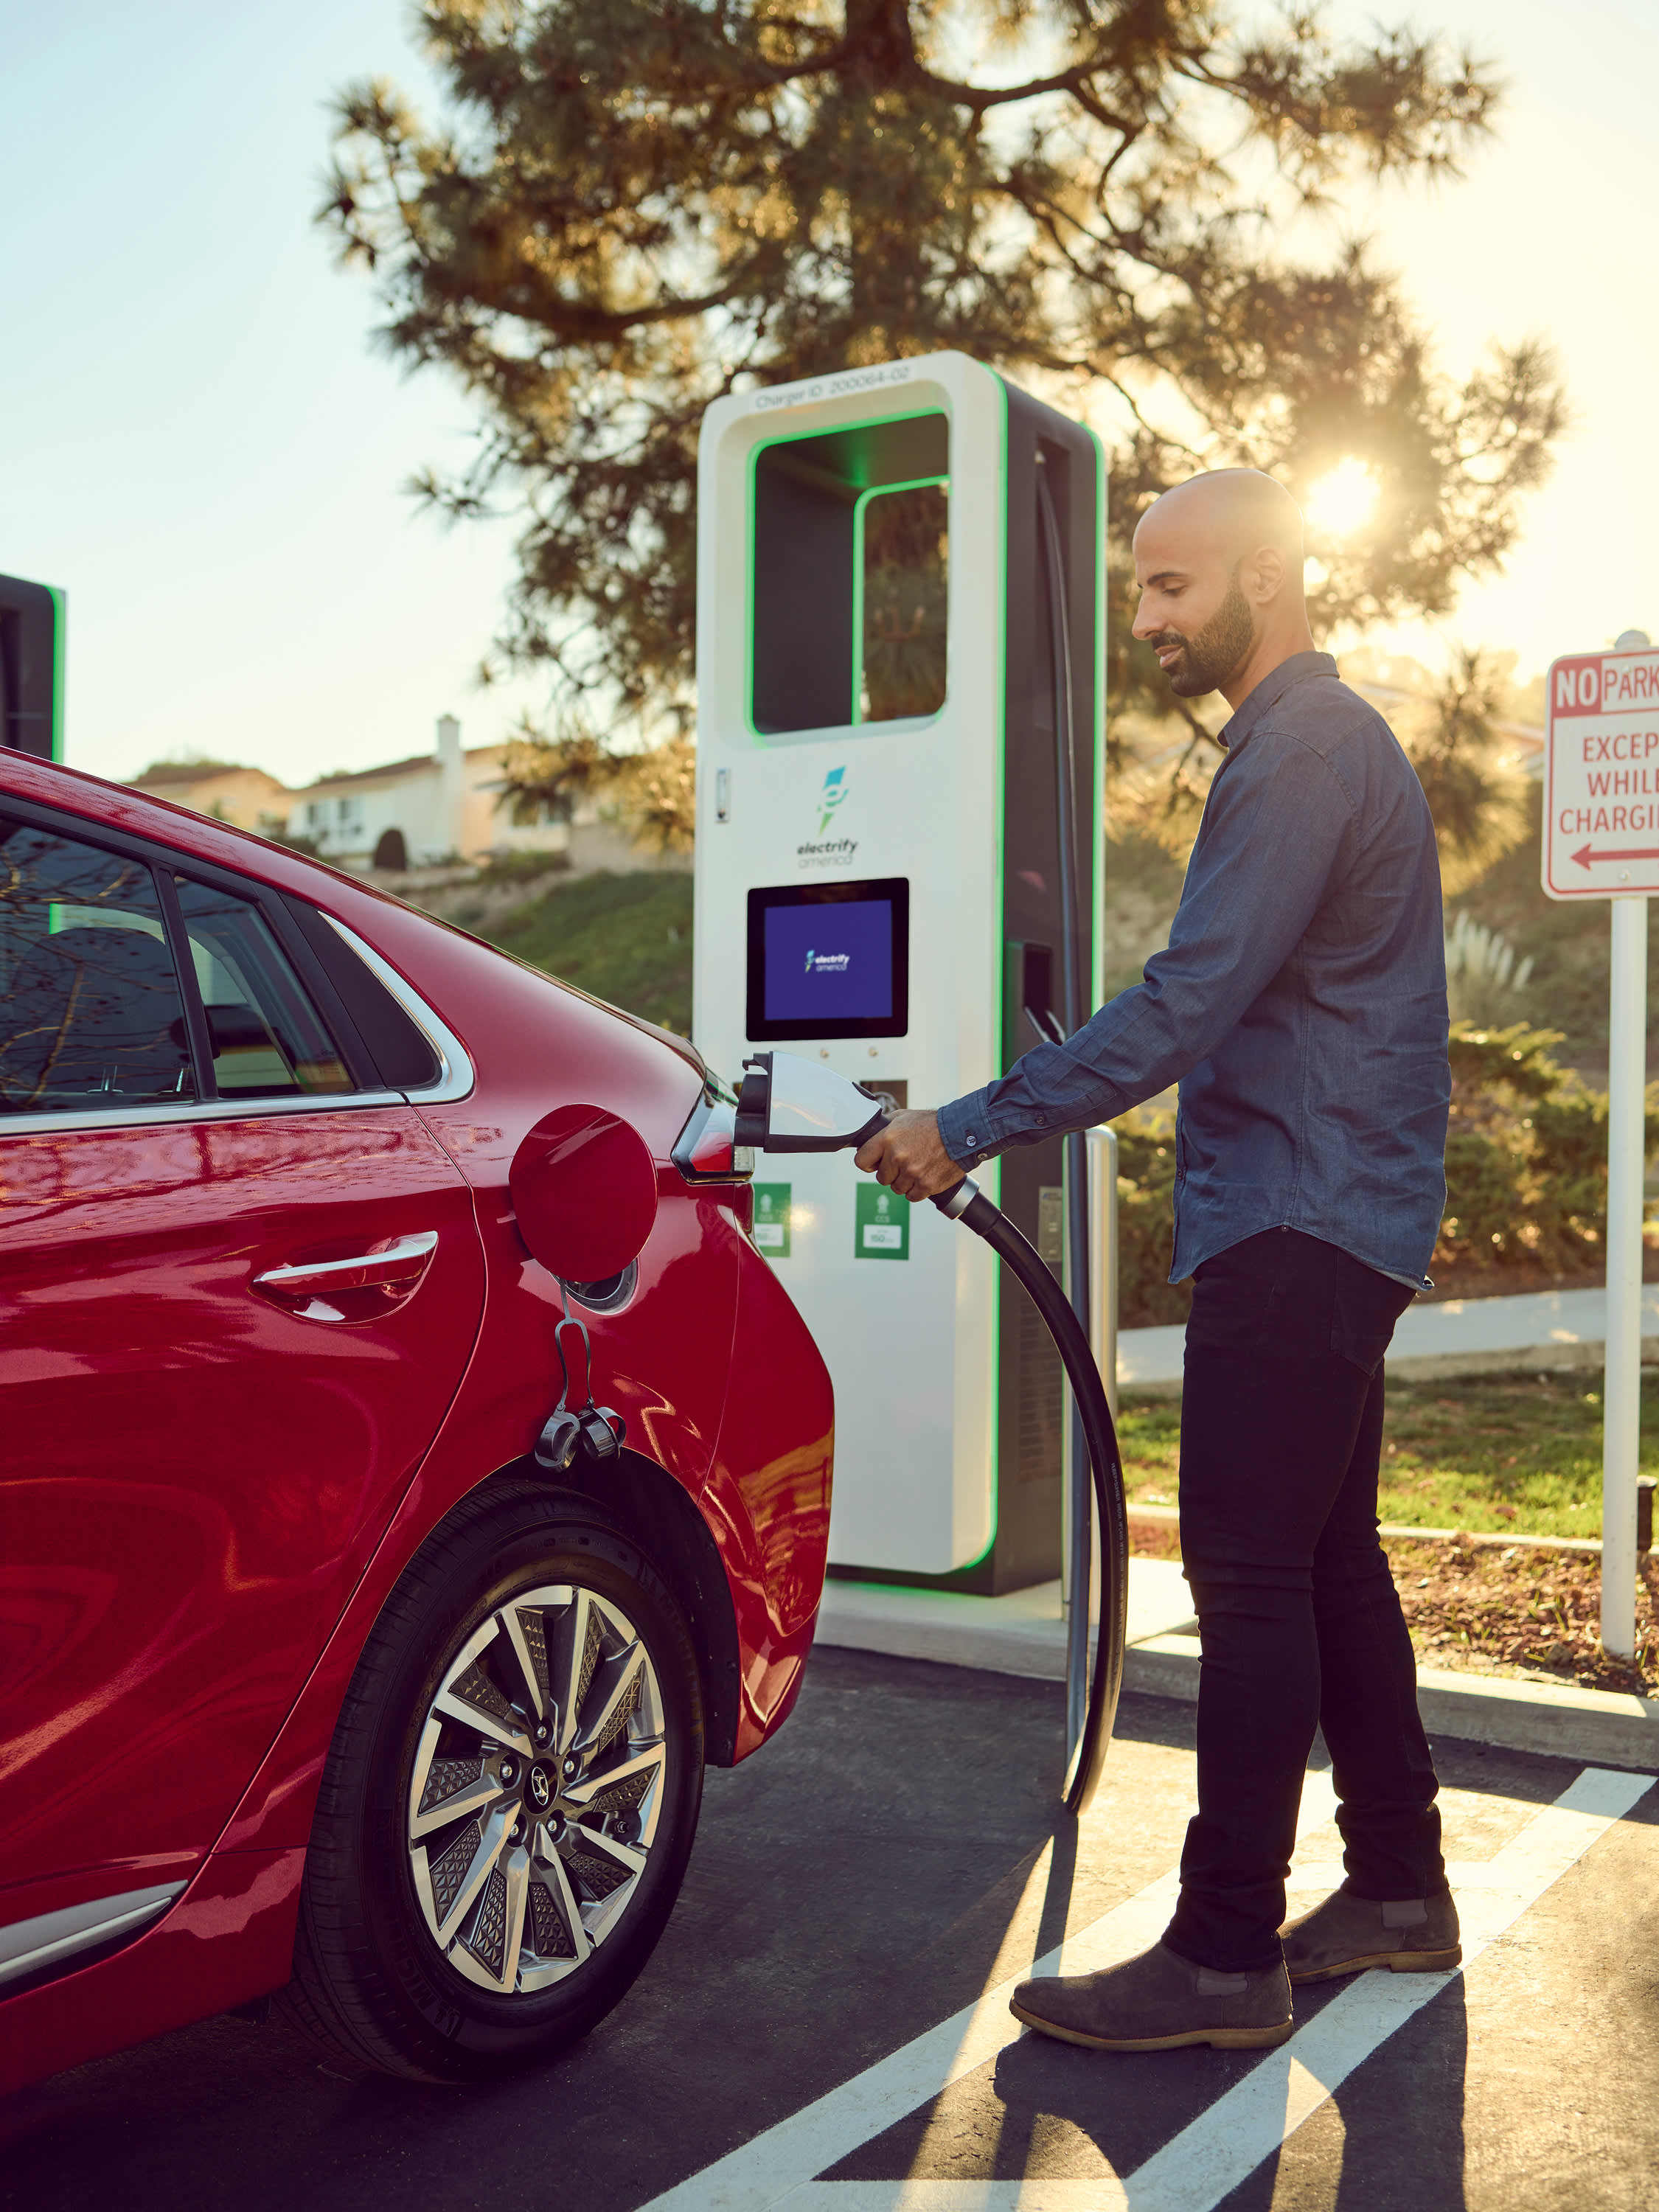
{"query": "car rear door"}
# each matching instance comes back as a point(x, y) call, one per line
point(239, 1284)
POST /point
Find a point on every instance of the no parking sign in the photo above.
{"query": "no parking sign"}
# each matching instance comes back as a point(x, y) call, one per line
point(1601, 841)
point(1601, 776)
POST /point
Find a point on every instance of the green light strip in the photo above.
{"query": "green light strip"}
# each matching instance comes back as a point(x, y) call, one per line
point(819, 429)
point(59, 613)
point(877, 491)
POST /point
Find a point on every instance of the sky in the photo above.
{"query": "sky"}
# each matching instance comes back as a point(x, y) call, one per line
point(1551, 235)
point(202, 447)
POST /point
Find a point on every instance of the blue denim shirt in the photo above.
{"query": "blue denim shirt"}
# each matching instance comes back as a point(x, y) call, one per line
point(1301, 1003)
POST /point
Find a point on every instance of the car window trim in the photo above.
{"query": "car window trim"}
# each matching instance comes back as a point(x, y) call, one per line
point(198, 1041)
point(314, 980)
point(332, 954)
point(457, 1076)
point(359, 1061)
point(218, 1110)
point(167, 861)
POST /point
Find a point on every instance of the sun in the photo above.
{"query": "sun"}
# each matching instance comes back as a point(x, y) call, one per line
point(1341, 502)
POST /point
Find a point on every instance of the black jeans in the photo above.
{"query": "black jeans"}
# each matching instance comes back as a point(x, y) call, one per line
point(1282, 1429)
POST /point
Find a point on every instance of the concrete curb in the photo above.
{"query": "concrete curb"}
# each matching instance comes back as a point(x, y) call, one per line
point(1445, 1366)
point(1169, 1515)
point(1532, 1330)
point(1605, 1727)
point(1023, 1634)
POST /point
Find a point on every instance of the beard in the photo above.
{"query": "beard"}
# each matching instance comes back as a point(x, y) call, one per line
point(1209, 658)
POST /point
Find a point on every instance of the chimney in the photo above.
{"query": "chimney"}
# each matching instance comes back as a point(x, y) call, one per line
point(452, 777)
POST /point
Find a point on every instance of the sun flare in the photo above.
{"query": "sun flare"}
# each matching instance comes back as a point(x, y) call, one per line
point(1341, 502)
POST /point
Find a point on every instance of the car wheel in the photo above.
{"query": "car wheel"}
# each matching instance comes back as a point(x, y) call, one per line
point(510, 1797)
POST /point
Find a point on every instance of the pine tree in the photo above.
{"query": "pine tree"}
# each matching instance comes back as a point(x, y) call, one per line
point(633, 206)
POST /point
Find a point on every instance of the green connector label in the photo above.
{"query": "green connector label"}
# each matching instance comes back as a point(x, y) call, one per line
point(772, 1218)
point(881, 1224)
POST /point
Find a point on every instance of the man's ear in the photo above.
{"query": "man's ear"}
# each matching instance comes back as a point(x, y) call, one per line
point(1262, 575)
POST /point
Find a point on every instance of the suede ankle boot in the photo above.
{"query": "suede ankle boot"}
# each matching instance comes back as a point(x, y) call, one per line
point(1159, 2001)
point(1347, 1934)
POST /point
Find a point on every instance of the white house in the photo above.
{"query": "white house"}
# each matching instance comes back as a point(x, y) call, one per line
point(438, 806)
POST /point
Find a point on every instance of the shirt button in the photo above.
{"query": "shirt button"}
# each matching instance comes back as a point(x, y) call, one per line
point(972, 1138)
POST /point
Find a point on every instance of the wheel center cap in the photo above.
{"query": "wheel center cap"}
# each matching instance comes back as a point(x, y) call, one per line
point(541, 1788)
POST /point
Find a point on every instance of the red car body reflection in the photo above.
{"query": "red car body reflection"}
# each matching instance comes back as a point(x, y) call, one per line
point(208, 1491)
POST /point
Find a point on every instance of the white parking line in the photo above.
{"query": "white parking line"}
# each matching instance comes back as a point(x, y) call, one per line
point(763, 2173)
point(1227, 2142)
point(1033, 2196)
point(757, 2176)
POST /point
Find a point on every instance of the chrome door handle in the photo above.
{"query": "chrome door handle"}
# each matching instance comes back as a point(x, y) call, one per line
point(404, 1258)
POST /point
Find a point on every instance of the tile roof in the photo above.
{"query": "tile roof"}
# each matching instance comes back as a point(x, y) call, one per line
point(165, 772)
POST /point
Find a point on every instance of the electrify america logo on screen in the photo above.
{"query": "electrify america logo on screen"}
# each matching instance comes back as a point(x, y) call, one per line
point(828, 963)
point(825, 851)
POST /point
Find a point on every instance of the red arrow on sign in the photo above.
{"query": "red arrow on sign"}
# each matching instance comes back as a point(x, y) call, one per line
point(1585, 856)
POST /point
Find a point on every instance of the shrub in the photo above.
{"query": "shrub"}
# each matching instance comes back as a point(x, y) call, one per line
point(1525, 1173)
point(1526, 1157)
point(511, 868)
point(1145, 1193)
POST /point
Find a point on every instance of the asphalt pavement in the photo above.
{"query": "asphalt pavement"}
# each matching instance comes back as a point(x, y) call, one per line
point(824, 2024)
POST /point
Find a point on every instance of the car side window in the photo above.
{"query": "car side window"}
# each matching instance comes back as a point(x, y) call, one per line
point(267, 1038)
point(93, 1015)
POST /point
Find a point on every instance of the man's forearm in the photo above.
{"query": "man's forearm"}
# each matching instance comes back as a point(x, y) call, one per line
point(1050, 1090)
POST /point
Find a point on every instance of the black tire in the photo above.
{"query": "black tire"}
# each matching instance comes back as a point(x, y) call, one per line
point(374, 1975)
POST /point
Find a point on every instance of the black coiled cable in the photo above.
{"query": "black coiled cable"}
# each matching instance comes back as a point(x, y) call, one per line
point(969, 1205)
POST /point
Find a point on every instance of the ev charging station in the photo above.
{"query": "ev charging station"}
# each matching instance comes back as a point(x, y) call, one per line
point(901, 578)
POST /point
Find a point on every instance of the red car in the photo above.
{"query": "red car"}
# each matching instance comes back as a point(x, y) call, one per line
point(313, 1677)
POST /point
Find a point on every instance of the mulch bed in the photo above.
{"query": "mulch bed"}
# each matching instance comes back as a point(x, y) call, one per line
point(1520, 1609)
point(1523, 1610)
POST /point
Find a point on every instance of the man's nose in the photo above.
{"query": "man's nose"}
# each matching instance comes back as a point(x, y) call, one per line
point(1144, 625)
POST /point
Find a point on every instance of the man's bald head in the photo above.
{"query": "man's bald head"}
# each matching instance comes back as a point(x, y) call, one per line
point(1219, 561)
point(1235, 510)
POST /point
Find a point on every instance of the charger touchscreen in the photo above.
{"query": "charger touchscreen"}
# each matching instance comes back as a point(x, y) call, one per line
point(831, 964)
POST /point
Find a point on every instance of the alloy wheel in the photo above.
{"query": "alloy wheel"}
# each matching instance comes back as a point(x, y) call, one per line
point(537, 1786)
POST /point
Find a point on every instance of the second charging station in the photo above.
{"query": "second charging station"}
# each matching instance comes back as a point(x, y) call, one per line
point(884, 634)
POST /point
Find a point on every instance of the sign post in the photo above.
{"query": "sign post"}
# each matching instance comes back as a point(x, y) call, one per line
point(1601, 841)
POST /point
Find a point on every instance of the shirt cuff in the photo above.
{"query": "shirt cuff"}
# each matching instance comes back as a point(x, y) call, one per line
point(964, 1129)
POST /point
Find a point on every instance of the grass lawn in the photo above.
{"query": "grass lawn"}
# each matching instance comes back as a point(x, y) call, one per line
point(1492, 1452)
point(626, 939)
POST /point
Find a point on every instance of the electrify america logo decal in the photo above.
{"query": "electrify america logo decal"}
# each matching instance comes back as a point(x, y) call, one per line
point(833, 792)
point(828, 963)
point(823, 851)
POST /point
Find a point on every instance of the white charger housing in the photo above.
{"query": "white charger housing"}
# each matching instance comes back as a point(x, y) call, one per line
point(877, 894)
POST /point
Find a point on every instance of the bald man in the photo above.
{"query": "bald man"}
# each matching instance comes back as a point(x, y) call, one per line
point(1301, 1006)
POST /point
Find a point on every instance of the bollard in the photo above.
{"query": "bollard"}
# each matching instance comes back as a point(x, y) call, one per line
point(1103, 1256)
